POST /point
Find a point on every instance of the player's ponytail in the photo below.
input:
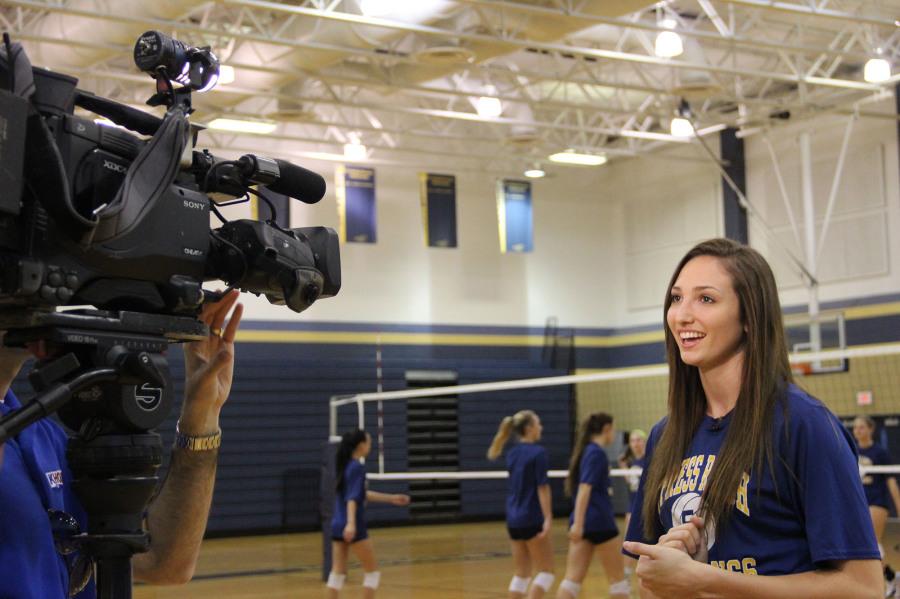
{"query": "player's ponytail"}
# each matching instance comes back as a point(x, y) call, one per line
point(518, 422)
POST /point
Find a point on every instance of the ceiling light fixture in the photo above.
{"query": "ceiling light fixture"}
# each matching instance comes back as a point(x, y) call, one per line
point(577, 158)
point(242, 126)
point(535, 172)
point(355, 151)
point(681, 127)
point(400, 8)
point(488, 107)
point(668, 43)
point(877, 70)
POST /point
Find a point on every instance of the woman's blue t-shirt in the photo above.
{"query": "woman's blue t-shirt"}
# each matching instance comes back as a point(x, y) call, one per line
point(594, 470)
point(354, 489)
point(527, 465)
point(817, 515)
point(875, 485)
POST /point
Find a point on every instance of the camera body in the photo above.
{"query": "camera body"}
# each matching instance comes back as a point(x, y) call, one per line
point(96, 215)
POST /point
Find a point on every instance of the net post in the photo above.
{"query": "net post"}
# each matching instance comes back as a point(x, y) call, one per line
point(361, 413)
point(379, 374)
point(332, 418)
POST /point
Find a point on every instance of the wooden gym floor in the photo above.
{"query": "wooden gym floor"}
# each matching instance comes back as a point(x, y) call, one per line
point(449, 561)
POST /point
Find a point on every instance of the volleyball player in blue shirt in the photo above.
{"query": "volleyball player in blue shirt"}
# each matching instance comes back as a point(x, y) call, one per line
point(592, 525)
point(348, 524)
point(747, 474)
point(878, 487)
point(529, 511)
point(633, 458)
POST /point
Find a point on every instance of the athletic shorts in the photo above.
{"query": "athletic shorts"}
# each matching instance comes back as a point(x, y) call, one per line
point(360, 536)
point(524, 534)
point(597, 537)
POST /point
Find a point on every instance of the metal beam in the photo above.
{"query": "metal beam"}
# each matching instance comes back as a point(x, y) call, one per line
point(548, 46)
point(731, 40)
point(805, 10)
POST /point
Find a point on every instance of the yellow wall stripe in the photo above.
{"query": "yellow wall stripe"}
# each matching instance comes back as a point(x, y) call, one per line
point(582, 341)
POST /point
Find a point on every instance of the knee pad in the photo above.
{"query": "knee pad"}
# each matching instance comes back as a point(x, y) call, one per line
point(371, 580)
point(519, 585)
point(623, 587)
point(336, 581)
point(573, 588)
point(544, 580)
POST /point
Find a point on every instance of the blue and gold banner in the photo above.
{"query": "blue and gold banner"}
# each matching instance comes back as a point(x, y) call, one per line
point(438, 196)
point(355, 186)
point(514, 215)
point(260, 210)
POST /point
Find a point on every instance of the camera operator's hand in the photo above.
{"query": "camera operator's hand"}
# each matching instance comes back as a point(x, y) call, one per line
point(178, 513)
point(209, 366)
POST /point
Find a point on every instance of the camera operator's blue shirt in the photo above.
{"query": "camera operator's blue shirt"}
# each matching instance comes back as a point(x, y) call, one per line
point(527, 465)
point(35, 477)
point(811, 513)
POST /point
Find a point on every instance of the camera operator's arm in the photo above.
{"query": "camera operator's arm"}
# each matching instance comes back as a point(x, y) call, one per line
point(177, 515)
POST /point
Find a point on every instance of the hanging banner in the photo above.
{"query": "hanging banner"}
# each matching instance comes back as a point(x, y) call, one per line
point(514, 215)
point(260, 209)
point(438, 196)
point(355, 187)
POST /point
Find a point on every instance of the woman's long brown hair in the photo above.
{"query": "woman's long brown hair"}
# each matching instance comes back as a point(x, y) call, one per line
point(749, 441)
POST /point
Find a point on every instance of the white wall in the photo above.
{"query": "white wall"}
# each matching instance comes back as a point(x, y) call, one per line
point(399, 280)
point(606, 239)
point(666, 206)
point(862, 244)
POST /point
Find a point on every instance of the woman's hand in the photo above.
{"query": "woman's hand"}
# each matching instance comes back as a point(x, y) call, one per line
point(690, 538)
point(400, 500)
point(576, 532)
point(350, 532)
point(545, 529)
point(665, 571)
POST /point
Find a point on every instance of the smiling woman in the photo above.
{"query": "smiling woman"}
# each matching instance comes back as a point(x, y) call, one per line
point(739, 453)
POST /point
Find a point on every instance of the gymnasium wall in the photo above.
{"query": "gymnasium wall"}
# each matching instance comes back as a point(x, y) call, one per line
point(275, 426)
point(400, 280)
point(861, 253)
point(606, 239)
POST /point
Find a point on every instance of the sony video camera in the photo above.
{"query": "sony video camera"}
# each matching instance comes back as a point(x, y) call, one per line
point(93, 214)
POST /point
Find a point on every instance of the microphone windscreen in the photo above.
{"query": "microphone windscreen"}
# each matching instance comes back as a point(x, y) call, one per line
point(298, 182)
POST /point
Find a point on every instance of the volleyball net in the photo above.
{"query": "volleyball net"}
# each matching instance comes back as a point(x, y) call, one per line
point(442, 433)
